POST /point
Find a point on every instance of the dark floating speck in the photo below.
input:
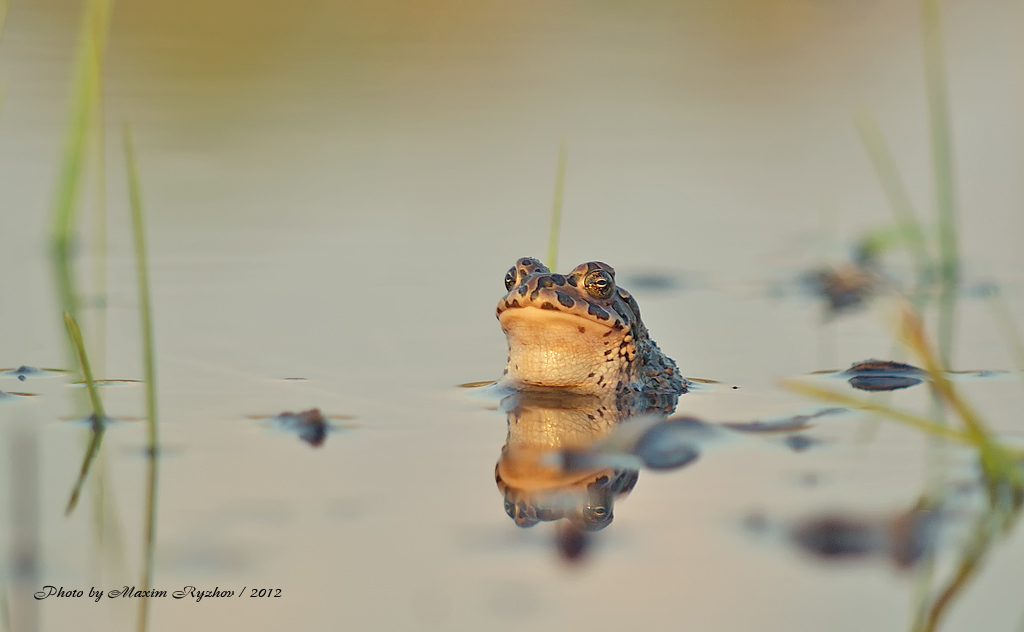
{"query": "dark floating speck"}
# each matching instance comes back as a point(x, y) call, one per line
point(312, 430)
point(294, 379)
point(311, 425)
point(24, 372)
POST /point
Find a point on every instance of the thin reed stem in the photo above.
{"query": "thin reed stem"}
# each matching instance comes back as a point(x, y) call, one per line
point(556, 207)
point(149, 363)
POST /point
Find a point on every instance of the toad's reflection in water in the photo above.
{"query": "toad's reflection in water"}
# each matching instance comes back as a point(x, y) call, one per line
point(580, 361)
point(563, 458)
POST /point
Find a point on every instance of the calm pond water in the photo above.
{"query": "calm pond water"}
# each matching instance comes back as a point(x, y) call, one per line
point(334, 192)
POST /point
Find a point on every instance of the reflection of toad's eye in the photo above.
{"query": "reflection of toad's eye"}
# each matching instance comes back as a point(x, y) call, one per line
point(510, 279)
point(599, 284)
point(596, 515)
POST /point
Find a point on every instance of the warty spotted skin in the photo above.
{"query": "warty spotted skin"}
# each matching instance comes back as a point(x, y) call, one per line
point(579, 330)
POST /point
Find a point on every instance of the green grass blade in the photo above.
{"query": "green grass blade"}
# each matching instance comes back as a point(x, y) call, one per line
point(86, 88)
point(861, 403)
point(970, 563)
point(98, 330)
point(913, 235)
point(556, 207)
point(998, 461)
point(942, 146)
point(142, 274)
point(99, 416)
point(942, 166)
point(91, 451)
point(83, 361)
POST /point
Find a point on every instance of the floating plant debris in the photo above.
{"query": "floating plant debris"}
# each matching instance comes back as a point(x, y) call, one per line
point(783, 424)
point(888, 375)
point(24, 372)
point(884, 367)
point(475, 384)
point(110, 382)
point(11, 395)
point(700, 380)
point(883, 375)
point(311, 425)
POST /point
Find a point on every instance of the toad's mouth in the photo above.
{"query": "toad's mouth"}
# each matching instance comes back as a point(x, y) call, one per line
point(552, 348)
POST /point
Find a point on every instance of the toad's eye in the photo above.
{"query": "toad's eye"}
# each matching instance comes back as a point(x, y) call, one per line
point(599, 284)
point(510, 279)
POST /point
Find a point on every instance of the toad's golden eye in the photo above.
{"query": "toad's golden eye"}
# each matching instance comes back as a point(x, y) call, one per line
point(599, 284)
point(510, 279)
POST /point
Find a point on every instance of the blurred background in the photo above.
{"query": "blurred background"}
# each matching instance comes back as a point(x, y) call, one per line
point(334, 190)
